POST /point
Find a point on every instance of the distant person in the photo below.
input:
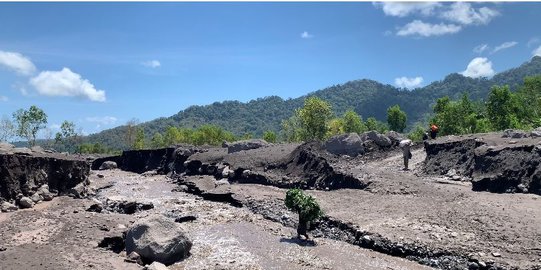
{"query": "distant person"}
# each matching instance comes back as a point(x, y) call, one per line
point(425, 139)
point(405, 145)
point(433, 131)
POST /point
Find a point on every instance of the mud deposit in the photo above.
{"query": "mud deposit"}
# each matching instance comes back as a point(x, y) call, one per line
point(377, 216)
point(493, 163)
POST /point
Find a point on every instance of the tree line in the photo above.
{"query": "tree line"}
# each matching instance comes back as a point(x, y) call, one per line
point(314, 120)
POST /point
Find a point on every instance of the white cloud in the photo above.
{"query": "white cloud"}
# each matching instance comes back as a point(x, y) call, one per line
point(17, 62)
point(537, 52)
point(464, 13)
point(106, 120)
point(4, 98)
point(481, 48)
point(402, 9)
point(420, 28)
point(152, 64)
point(66, 83)
point(504, 46)
point(306, 35)
point(479, 67)
point(405, 82)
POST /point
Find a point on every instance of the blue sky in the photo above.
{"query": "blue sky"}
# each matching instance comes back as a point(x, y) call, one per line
point(102, 64)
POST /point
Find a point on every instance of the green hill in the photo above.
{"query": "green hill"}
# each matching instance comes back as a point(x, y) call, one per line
point(368, 98)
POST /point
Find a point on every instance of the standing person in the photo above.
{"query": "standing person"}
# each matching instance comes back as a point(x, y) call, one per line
point(405, 145)
point(433, 131)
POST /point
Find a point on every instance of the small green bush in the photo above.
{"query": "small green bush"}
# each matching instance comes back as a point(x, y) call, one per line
point(305, 205)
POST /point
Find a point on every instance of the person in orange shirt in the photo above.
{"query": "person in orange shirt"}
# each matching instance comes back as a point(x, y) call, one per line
point(433, 131)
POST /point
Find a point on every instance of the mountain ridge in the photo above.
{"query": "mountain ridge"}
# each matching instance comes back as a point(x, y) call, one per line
point(367, 97)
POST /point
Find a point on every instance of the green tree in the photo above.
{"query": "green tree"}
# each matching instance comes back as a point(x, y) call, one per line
point(131, 132)
point(67, 136)
point(269, 136)
point(335, 127)
point(157, 140)
point(29, 122)
point(172, 136)
point(502, 108)
point(529, 98)
point(314, 116)
point(304, 205)
point(139, 142)
point(7, 129)
point(396, 118)
point(353, 122)
point(373, 124)
point(417, 133)
point(460, 117)
point(291, 129)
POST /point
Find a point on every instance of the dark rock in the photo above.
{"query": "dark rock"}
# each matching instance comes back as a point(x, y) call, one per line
point(379, 139)
point(47, 196)
point(97, 207)
point(127, 207)
point(113, 243)
point(79, 191)
point(96, 164)
point(395, 137)
point(345, 144)
point(185, 218)
point(158, 239)
point(473, 266)
point(515, 134)
point(108, 165)
point(26, 202)
point(246, 145)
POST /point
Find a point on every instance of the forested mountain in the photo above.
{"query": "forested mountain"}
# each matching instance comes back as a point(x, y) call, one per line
point(368, 98)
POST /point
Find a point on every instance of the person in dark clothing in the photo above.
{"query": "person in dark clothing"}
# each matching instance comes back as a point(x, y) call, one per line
point(433, 131)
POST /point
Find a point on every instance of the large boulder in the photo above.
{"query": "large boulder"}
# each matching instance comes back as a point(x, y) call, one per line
point(158, 239)
point(380, 139)
point(108, 165)
point(246, 145)
point(395, 137)
point(8, 207)
point(346, 144)
point(26, 202)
